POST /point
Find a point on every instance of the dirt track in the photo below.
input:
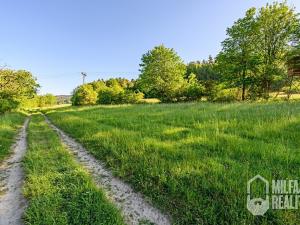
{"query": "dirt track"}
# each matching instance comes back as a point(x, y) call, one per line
point(133, 206)
point(12, 202)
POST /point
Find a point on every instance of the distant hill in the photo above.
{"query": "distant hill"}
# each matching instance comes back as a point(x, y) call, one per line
point(63, 99)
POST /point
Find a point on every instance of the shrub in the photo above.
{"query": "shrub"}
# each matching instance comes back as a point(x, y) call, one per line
point(193, 89)
point(227, 95)
point(7, 103)
point(106, 96)
point(84, 95)
point(132, 97)
point(113, 96)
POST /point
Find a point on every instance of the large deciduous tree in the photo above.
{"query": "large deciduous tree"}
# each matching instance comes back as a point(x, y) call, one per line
point(238, 59)
point(162, 73)
point(278, 24)
point(18, 83)
point(253, 56)
point(14, 87)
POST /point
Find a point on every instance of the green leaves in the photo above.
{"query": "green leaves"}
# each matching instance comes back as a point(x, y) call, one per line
point(14, 87)
point(84, 95)
point(162, 73)
point(18, 83)
point(253, 54)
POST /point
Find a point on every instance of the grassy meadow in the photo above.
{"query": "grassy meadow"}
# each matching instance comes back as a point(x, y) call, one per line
point(59, 191)
point(9, 126)
point(194, 160)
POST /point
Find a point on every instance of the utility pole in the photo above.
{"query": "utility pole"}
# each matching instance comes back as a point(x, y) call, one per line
point(83, 74)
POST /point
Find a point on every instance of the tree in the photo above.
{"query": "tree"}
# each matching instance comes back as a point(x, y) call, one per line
point(46, 100)
point(238, 60)
point(98, 85)
point(278, 24)
point(16, 86)
point(253, 54)
point(84, 95)
point(293, 63)
point(162, 73)
point(111, 94)
point(111, 91)
point(7, 102)
point(19, 83)
point(204, 70)
point(206, 75)
point(194, 90)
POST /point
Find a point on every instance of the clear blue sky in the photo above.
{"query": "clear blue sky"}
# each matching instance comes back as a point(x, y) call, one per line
point(57, 39)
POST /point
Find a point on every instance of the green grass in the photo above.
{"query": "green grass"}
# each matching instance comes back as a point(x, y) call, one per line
point(194, 160)
point(9, 126)
point(58, 189)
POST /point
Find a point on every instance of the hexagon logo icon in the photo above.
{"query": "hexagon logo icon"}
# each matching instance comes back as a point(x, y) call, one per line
point(258, 206)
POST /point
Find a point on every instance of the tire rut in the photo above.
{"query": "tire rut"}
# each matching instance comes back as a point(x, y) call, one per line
point(12, 201)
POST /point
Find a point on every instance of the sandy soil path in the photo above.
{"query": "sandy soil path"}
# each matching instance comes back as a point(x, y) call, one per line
point(133, 206)
point(12, 202)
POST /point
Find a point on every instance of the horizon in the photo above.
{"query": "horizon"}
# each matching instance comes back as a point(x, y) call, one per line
point(56, 41)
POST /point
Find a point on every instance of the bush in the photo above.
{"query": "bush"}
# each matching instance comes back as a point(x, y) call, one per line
point(84, 95)
point(132, 97)
point(194, 92)
point(106, 96)
point(112, 91)
point(113, 96)
point(7, 103)
point(227, 95)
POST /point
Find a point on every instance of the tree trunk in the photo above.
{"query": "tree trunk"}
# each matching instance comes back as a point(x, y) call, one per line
point(243, 86)
point(243, 92)
point(290, 88)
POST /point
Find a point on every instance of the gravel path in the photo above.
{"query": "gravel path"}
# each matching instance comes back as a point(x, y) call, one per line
point(12, 202)
point(135, 209)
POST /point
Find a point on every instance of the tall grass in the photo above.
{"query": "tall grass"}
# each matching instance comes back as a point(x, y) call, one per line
point(58, 189)
point(194, 160)
point(9, 125)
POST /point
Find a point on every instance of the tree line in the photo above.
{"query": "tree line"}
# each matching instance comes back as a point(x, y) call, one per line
point(254, 61)
point(111, 91)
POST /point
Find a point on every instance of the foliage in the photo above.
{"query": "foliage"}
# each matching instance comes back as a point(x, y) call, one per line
point(253, 54)
point(7, 102)
point(193, 90)
point(206, 74)
point(39, 101)
point(131, 97)
point(58, 189)
point(278, 24)
point(162, 73)
point(111, 91)
point(196, 157)
point(84, 95)
point(227, 95)
point(293, 60)
point(116, 95)
point(204, 71)
point(46, 100)
point(15, 86)
point(18, 83)
point(238, 60)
